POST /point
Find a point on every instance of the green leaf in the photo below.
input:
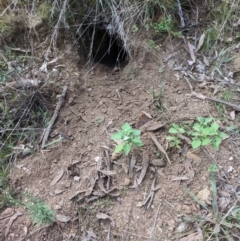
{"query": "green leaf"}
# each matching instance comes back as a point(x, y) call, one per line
point(195, 198)
point(222, 135)
point(137, 142)
point(126, 127)
point(181, 130)
point(175, 126)
point(206, 141)
point(196, 143)
point(216, 229)
point(207, 131)
point(195, 134)
point(128, 132)
point(117, 136)
point(125, 138)
point(201, 120)
point(172, 130)
point(207, 120)
point(235, 211)
point(216, 141)
point(213, 168)
point(119, 148)
point(127, 148)
point(171, 138)
point(214, 126)
point(136, 132)
point(197, 127)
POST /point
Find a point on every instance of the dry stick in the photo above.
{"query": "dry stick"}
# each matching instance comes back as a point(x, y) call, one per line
point(54, 117)
point(159, 146)
point(203, 97)
point(108, 168)
point(154, 224)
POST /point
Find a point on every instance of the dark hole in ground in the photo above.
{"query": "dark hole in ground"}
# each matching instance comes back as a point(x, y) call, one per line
point(106, 49)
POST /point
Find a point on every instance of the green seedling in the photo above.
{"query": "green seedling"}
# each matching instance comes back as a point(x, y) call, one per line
point(39, 211)
point(205, 132)
point(165, 25)
point(175, 141)
point(127, 137)
point(135, 28)
point(153, 45)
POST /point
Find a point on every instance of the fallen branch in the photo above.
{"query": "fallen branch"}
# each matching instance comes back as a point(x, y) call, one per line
point(54, 117)
point(159, 146)
point(203, 97)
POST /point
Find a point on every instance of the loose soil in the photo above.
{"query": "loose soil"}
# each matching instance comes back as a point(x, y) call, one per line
point(98, 102)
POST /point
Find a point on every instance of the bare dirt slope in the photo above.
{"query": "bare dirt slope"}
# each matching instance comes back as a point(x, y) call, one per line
point(70, 176)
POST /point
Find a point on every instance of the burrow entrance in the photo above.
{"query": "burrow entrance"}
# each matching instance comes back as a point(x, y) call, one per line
point(101, 47)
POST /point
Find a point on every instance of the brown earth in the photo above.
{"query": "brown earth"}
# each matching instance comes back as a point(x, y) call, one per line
point(68, 175)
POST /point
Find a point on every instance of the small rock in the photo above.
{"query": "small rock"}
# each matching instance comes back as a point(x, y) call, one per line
point(127, 182)
point(173, 108)
point(71, 101)
point(57, 207)
point(171, 224)
point(182, 227)
point(149, 215)
point(186, 209)
point(63, 218)
point(205, 196)
point(159, 162)
point(68, 184)
point(57, 191)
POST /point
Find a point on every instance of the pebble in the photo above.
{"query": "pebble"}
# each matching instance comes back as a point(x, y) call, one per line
point(158, 162)
point(68, 184)
point(186, 209)
point(57, 207)
point(71, 101)
point(127, 182)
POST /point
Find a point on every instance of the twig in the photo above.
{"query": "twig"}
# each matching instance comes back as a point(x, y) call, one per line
point(180, 13)
point(203, 97)
point(159, 146)
point(119, 95)
point(155, 219)
point(54, 117)
point(190, 86)
point(108, 167)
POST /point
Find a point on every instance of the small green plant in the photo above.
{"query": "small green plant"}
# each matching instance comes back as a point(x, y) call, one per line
point(205, 132)
point(127, 137)
point(153, 45)
point(166, 25)
point(175, 141)
point(39, 211)
point(135, 28)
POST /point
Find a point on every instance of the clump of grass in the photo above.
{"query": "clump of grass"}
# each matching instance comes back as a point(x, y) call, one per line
point(40, 213)
point(216, 225)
